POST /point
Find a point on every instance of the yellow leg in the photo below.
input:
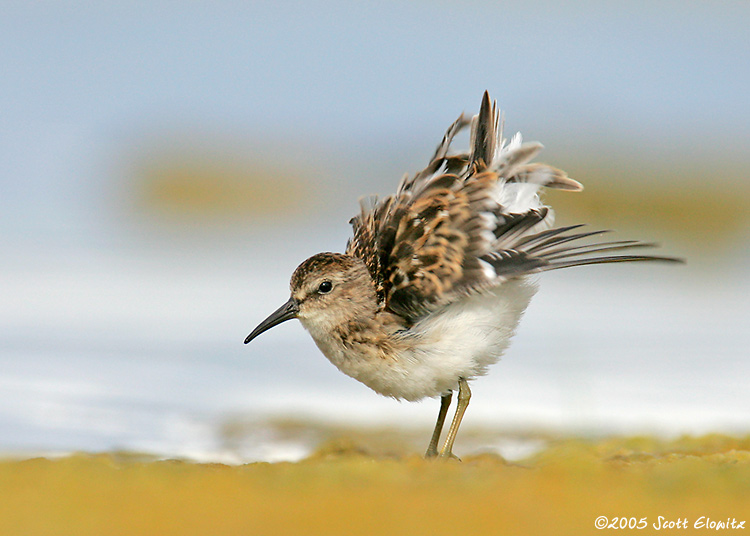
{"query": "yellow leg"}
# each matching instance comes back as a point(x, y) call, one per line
point(445, 402)
point(464, 395)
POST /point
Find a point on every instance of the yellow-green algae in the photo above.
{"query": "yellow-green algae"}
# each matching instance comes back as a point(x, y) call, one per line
point(341, 489)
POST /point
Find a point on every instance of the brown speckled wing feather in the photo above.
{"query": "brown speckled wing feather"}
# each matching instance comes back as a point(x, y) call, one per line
point(424, 241)
point(467, 222)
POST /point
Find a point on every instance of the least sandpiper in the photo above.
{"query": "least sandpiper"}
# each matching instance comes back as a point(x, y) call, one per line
point(436, 277)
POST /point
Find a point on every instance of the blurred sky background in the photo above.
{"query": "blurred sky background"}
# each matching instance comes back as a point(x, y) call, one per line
point(164, 166)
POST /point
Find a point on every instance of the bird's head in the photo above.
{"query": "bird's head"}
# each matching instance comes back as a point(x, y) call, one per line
point(327, 290)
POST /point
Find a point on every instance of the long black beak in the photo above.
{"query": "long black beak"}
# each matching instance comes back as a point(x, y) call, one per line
point(286, 312)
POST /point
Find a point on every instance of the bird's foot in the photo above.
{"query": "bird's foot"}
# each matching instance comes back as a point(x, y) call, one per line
point(448, 456)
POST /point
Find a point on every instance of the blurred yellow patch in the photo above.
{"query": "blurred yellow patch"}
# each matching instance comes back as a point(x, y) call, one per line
point(343, 490)
point(214, 189)
point(706, 208)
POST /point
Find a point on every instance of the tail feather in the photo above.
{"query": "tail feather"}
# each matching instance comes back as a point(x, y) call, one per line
point(610, 260)
point(513, 157)
point(518, 180)
point(553, 251)
point(545, 175)
point(617, 245)
point(559, 240)
point(548, 250)
point(545, 237)
point(456, 127)
point(486, 134)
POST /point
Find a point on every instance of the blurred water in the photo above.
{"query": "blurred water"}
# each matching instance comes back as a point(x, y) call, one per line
point(142, 349)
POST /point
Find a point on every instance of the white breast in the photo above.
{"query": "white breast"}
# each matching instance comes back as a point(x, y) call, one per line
point(459, 341)
point(465, 338)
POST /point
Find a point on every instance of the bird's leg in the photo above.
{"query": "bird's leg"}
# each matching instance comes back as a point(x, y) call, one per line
point(445, 402)
point(464, 395)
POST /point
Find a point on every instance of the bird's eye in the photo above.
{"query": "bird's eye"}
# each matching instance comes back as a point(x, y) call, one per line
point(325, 287)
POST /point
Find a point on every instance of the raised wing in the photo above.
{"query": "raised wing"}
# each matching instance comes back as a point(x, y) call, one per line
point(469, 221)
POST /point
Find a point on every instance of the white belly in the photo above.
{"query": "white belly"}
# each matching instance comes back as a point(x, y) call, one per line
point(458, 341)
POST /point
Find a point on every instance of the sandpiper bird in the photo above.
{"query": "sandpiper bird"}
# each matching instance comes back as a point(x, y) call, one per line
point(436, 277)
